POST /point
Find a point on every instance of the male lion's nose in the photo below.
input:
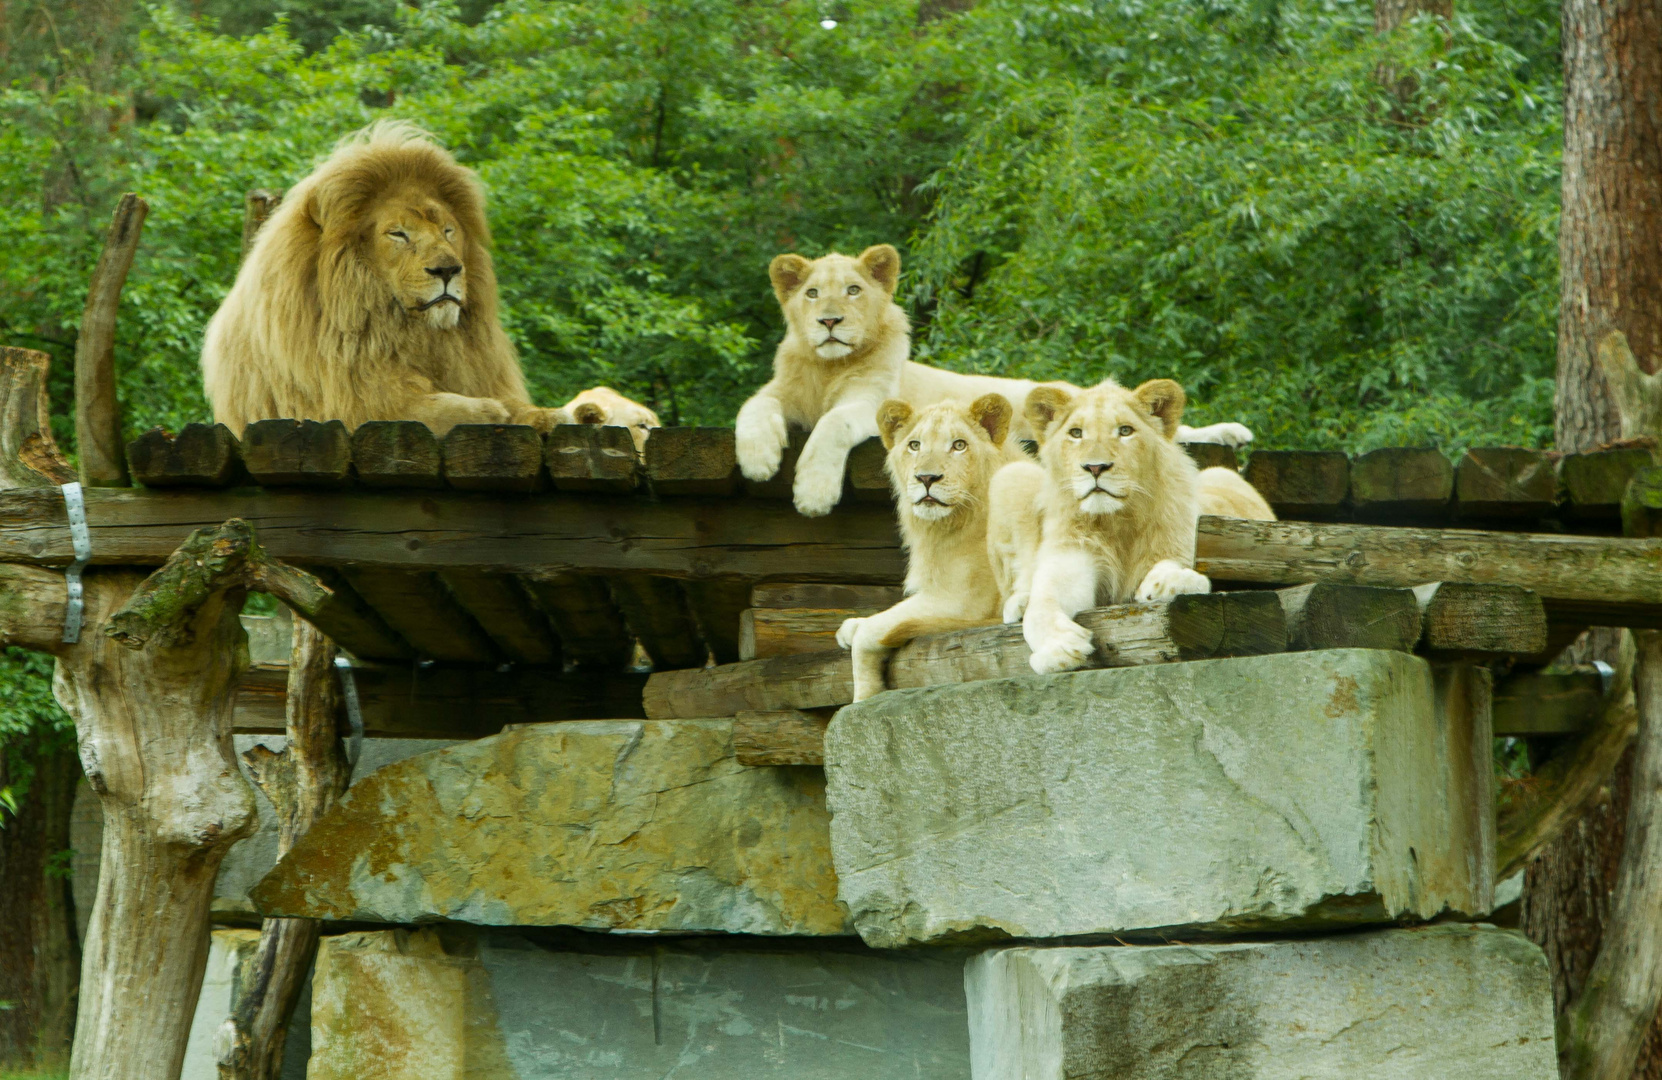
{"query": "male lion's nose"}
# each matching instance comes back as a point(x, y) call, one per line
point(445, 273)
point(1097, 470)
point(831, 323)
point(926, 479)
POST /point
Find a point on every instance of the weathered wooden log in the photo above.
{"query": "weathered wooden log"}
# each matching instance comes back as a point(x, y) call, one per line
point(257, 206)
point(783, 737)
point(867, 479)
point(1642, 503)
point(592, 458)
point(301, 453)
point(1548, 703)
point(1463, 619)
point(1504, 481)
point(493, 457)
point(1463, 696)
point(325, 600)
point(591, 628)
point(303, 780)
point(656, 611)
point(1593, 482)
point(97, 406)
point(1398, 481)
point(818, 594)
point(1593, 581)
point(397, 454)
point(1212, 455)
point(201, 455)
point(423, 612)
point(1300, 483)
point(506, 613)
point(765, 632)
point(1185, 628)
point(1332, 615)
point(29, 457)
point(692, 461)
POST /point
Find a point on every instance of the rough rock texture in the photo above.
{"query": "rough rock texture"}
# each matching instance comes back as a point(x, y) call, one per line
point(449, 1005)
point(1272, 792)
point(602, 824)
point(1435, 1003)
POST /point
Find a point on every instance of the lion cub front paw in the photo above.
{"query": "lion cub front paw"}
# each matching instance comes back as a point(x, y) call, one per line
point(759, 445)
point(846, 632)
point(1066, 647)
point(1168, 579)
point(1014, 608)
point(817, 489)
point(1227, 434)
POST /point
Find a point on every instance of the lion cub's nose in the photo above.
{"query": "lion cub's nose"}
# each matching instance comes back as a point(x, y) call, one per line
point(1096, 469)
point(831, 323)
point(445, 273)
point(927, 478)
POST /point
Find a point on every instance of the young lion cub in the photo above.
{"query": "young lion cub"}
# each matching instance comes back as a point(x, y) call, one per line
point(1110, 509)
point(940, 461)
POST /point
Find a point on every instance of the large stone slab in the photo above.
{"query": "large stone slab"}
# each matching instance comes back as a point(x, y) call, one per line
point(438, 1005)
point(1261, 793)
point(612, 825)
point(1434, 1003)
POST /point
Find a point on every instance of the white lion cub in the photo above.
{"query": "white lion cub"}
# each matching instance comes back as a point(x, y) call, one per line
point(1110, 511)
point(844, 353)
point(940, 461)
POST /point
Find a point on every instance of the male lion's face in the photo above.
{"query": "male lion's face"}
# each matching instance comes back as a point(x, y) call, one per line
point(942, 458)
point(1105, 445)
point(834, 302)
point(416, 245)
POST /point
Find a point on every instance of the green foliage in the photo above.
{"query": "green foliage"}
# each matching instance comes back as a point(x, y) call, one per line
point(29, 720)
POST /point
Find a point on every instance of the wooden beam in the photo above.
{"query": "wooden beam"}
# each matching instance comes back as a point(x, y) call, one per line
point(592, 458)
point(1185, 628)
point(818, 594)
point(300, 453)
point(1548, 703)
point(1212, 455)
point(1397, 481)
point(1593, 482)
point(423, 612)
point(1300, 483)
point(1333, 615)
point(399, 701)
point(783, 737)
point(324, 599)
point(397, 454)
point(765, 632)
point(1604, 581)
point(717, 604)
point(591, 628)
point(97, 406)
point(656, 611)
point(1504, 481)
point(201, 455)
point(504, 611)
point(1642, 504)
point(867, 480)
point(1462, 619)
point(493, 457)
point(692, 461)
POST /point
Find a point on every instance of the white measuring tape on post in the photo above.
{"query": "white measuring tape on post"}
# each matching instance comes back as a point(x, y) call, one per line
point(354, 712)
point(81, 539)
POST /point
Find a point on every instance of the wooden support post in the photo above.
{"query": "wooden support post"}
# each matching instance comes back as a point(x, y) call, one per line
point(302, 781)
point(257, 205)
point(97, 407)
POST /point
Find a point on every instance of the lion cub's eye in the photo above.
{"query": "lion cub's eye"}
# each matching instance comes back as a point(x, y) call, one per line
point(400, 235)
point(1126, 429)
point(959, 444)
point(912, 446)
point(854, 290)
point(813, 294)
point(1076, 433)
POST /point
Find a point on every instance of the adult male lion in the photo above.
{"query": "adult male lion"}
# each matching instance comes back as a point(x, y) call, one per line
point(369, 295)
point(844, 353)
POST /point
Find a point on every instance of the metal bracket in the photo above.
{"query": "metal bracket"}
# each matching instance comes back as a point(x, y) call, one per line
point(75, 611)
point(354, 711)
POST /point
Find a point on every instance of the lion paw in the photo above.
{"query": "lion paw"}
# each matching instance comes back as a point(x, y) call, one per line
point(1015, 607)
point(544, 420)
point(846, 632)
point(760, 444)
point(1228, 434)
point(1167, 579)
point(1067, 647)
point(817, 489)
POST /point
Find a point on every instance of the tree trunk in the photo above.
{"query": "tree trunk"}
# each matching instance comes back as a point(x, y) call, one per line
point(40, 956)
point(1390, 14)
point(1610, 265)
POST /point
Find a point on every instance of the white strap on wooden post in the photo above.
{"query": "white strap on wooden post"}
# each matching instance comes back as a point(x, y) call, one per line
point(354, 711)
point(82, 541)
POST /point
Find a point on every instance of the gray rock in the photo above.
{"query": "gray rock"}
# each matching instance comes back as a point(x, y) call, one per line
point(1434, 1003)
point(1280, 792)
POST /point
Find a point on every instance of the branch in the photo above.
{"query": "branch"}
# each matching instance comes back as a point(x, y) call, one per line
point(32, 601)
point(97, 408)
point(29, 457)
point(208, 562)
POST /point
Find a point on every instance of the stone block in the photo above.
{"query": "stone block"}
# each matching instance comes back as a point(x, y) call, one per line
point(1432, 1003)
point(459, 1004)
point(600, 824)
point(1265, 793)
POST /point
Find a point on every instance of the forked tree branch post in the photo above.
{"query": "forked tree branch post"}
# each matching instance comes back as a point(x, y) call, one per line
point(97, 408)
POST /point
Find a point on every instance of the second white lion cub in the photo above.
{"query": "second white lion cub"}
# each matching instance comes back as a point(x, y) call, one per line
point(1111, 508)
point(940, 461)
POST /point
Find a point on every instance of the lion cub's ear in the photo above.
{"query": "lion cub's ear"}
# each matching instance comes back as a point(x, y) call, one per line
point(1164, 400)
point(892, 415)
point(589, 413)
point(1045, 405)
point(788, 273)
point(992, 412)
point(882, 262)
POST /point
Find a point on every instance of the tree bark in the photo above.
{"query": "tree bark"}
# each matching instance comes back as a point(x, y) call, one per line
point(1390, 14)
point(97, 407)
point(302, 781)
